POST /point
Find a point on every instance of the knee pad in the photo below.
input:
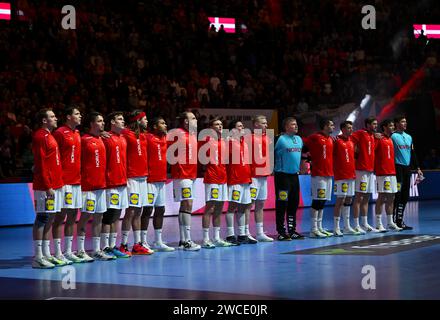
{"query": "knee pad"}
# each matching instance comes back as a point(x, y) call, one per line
point(42, 218)
point(318, 204)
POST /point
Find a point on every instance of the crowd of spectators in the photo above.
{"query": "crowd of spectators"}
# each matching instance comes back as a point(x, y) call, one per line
point(163, 57)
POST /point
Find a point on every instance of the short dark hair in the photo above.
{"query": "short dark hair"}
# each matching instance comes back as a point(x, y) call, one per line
point(211, 122)
point(41, 114)
point(385, 123)
point(323, 122)
point(112, 116)
point(233, 123)
point(399, 118)
point(155, 121)
point(287, 120)
point(182, 117)
point(68, 111)
point(345, 124)
point(369, 120)
point(91, 117)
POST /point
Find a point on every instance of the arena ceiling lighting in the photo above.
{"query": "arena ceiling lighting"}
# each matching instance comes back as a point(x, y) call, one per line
point(431, 31)
point(228, 24)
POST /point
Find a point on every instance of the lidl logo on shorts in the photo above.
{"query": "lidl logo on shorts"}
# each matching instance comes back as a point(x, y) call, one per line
point(150, 198)
point(114, 199)
point(50, 204)
point(363, 186)
point(344, 187)
point(321, 193)
point(214, 193)
point(68, 198)
point(282, 195)
point(236, 195)
point(254, 193)
point(399, 186)
point(387, 185)
point(186, 193)
point(90, 205)
point(134, 198)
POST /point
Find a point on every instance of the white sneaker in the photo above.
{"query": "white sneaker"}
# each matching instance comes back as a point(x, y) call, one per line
point(42, 263)
point(381, 228)
point(72, 257)
point(102, 256)
point(326, 232)
point(369, 228)
point(393, 227)
point(208, 245)
point(222, 243)
point(252, 238)
point(64, 259)
point(338, 233)
point(359, 230)
point(191, 246)
point(317, 234)
point(264, 238)
point(162, 247)
point(84, 256)
point(351, 231)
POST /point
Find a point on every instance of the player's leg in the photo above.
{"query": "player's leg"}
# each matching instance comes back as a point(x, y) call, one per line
point(282, 197)
point(292, 207)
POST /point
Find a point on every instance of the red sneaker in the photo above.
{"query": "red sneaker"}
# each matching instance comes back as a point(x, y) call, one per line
point(139, 249)
point(124, 249)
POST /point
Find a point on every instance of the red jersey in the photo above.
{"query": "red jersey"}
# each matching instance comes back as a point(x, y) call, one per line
point(343, 158)
point(186, 166)
point(364, 142)
point(260, 155)
point(157, 161)
point(94, 163)
point(215, 169)
point(136, 154)
point(239, 169)
point(47, 164)
point(321, 151)
point(384, 159)
point(116, 158)
point(69, 143)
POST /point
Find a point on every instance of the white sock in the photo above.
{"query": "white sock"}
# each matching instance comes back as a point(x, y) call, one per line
point(364, 220)
point(241, 230)
point(96, 244)
point(137, 236)
point(390, 219)
point(144, 236)
point(205, 234)
point(182, 233)
point(46, 248)
point(38, 249)
point(356, 222)
point(216, 233)
point(259, 226)
point(336, 222)
point(158, 234)
point(246, 229)
point(314, 219)
point(113, 237)
point(188, 233)
point(68, 244)
point(319, 220)
point(57, 245)
point(378, 220)
point(125, 235)
point(105, 240)
point(81, 240)
point(241, 223)
point(346, 215)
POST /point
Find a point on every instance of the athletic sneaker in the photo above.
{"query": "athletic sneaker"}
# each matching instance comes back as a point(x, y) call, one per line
point(359, 230)
point(191, 246)
point(84, 256)
point(56, 262)
point(72, 257)
point(351, 231)
point(264, 238)
point(338, 233)
point(42, 263)
point(252, 238)
point(232, 240)
point(317, 234)
point(393, 227)
point(181, 245)
point(381, 228)
point(326, 232)
point(102, 256)
point(115, 252)
point(208, 245)
point(146, 245)
point(284, 237)
point(369, 228)
point(403, 226)
point(123, 248)
point(140, 250)
point(222, 243)
point(162, 247)
point(61, 257)
point(246, 240)
point(296, 236)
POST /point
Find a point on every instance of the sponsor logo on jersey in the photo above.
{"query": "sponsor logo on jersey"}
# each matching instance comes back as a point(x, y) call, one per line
point(150, 198)
point(186, 193)
point(214, 193)
point(363, 186)
point(344, 187)
point(321, 193)
point(50, 204)
point(387, 185)
point(282, 195)
point(254, 193)
point(134, 198)
point(114, 199)
point(68, 198)
point(399, 186)
point(236, 195)
point(90, 205)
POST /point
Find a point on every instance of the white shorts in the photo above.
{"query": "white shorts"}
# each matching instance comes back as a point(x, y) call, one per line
point(94, 201)
point(259, 188)
point(344, 188)
point(156, 194)
point(216, 192)
point(72, 197)
point(183, 189)
point(48, 205)
point(364, 181)
point(117, 198)
point(240, 193)
point(137, 192)
point(386, 184)
point(321, 188)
